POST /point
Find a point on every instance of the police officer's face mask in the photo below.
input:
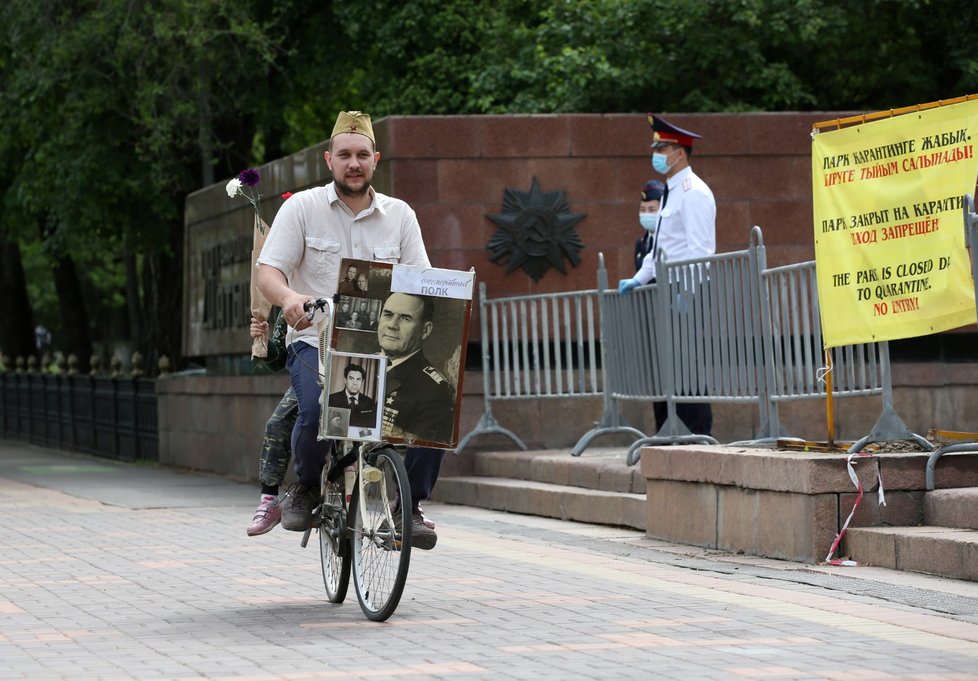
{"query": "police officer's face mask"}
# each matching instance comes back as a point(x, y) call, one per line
point(648, 220)
point(660, 162)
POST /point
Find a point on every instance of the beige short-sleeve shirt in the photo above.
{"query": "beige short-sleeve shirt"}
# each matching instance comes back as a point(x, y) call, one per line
point(314, 230)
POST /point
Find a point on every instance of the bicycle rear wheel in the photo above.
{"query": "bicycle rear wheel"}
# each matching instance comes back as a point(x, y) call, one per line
point(334, 550)
point(381, 537)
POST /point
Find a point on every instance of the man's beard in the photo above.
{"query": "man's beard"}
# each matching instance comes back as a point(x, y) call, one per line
point(348, 191)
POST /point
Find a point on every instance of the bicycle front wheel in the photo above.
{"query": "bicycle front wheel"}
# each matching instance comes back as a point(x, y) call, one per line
point(334, 550)
point(381, 533)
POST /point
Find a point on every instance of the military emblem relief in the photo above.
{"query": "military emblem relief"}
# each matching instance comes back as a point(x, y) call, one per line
point(535, 231)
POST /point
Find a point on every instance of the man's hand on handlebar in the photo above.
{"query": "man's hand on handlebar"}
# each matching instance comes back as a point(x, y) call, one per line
point(310, 306)
point(295, 311)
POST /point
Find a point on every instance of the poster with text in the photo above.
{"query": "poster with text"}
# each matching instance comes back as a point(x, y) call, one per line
point(416, 319)
point(889, 234)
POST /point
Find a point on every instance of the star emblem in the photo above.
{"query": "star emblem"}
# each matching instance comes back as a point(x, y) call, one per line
point(535, 232)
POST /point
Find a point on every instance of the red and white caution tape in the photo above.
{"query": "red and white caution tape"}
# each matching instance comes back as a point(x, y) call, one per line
point(859, 488)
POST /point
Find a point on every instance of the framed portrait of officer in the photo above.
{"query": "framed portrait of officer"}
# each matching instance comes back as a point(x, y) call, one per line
point(417, 321)
point(352, 393)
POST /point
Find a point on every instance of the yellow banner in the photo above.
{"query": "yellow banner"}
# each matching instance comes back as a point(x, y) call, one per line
point(889, 232)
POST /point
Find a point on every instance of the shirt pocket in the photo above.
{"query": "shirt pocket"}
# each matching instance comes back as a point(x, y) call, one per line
point(324, 254)
point(387, 253)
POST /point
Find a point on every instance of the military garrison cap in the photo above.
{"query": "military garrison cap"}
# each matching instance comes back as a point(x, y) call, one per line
point(664, 132)
point(353, 121)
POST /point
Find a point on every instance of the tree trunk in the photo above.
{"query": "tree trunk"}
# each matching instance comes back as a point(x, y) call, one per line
point(16, 315)
point(163, 303)
point(205, 124)
point(76, 339)
point(133, 304)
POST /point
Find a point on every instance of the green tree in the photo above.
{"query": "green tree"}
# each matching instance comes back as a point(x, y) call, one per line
point(113, 111)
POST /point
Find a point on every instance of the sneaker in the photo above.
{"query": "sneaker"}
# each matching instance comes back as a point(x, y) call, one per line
point(422, 536)
point(267, 516)
point(297, 507)
point(427, 522)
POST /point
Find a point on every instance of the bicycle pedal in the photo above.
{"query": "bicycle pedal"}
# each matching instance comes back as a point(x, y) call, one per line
point(372, 474)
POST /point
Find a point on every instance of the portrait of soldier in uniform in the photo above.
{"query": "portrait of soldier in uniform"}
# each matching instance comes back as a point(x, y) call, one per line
point(348, 286)
point(337, 425)
point(419, 402)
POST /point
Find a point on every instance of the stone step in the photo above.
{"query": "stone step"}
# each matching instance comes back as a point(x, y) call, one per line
point(952, 508)
point(529, 497)
point(945, 551)
point(599, 469)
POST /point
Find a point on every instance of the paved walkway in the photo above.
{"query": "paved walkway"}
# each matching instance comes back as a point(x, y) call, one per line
point(113, 571)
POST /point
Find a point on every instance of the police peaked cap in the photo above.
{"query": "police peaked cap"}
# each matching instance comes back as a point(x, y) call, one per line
point(664, 132)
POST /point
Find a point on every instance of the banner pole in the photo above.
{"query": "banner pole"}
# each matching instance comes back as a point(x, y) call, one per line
point(829, 406)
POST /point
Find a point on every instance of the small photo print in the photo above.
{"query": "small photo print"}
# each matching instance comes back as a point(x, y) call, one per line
point(355, 278)
point(416, 318)
point(357, 314)
point(354, 388)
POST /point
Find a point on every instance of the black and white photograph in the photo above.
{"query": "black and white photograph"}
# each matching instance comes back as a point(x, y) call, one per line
point(357, 314)
point(355, 384)
point(421, 337)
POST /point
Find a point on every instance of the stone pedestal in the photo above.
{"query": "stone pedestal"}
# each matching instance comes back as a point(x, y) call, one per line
point(781, 504)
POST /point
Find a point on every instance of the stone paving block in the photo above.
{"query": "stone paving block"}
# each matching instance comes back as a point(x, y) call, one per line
point(615, 476)
point(903, 470)
point(902, 508)
point(952, 508)
point(971, 562)
point(956, 470)
point(870, 546)
point(803, 472)
point(638, 484)
point(591, 507)
point(682, 511)
point(737, 514)
point(498, 464)
point(936, 551)
point(796, 526)
point(634, 511)
point(585, 476)
point(556, 470)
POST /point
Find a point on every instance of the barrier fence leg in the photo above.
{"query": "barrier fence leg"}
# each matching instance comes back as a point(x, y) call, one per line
point(488, 424)
point(890, 427)
point(611, 422)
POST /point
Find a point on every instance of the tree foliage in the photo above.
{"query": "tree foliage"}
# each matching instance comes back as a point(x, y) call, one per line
point(112, 111)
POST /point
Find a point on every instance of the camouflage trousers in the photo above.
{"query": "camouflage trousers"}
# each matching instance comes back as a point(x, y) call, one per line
point(276, 448)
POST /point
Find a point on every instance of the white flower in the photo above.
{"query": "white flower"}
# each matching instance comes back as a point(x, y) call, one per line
point(233, 187)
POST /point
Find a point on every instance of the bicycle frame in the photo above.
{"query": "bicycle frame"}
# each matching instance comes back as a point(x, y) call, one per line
point(371, 540)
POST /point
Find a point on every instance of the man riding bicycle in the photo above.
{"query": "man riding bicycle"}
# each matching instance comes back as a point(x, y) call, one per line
point(312, 232)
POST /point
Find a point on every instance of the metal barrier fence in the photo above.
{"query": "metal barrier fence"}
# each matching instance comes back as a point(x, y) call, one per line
point(536, 347)
point(720, 329)
point(803, 370)
point(101, 415)
point(971, 241)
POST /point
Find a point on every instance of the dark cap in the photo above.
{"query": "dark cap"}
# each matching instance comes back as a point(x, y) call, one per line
point(653, 190)
point(664, 132)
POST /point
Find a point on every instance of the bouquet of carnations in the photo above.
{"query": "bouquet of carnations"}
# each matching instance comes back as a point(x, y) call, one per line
point(246, 185)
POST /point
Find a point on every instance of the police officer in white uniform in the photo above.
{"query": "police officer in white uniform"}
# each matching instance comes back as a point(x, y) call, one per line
point(686, 229)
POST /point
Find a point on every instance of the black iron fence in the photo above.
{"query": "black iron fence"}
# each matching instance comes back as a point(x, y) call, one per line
point(110, 416)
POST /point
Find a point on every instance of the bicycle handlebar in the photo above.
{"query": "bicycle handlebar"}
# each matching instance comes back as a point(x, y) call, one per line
point(310, 306)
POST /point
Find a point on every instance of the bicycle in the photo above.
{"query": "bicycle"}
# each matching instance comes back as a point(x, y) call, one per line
point(364, 517)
